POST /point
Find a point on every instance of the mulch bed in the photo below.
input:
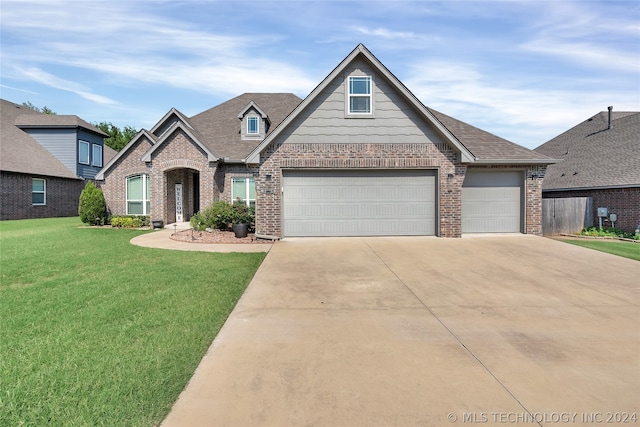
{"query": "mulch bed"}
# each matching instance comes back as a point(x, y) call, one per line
point(215, 236)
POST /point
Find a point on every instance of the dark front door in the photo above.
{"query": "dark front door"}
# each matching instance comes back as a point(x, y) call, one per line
point(196, 192)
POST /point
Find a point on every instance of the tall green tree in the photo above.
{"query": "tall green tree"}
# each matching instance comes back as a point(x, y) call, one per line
point(117, 138)
point(44, 110)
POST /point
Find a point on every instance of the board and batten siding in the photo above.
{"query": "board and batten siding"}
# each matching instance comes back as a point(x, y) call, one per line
point(394, 120)
point(61, 143)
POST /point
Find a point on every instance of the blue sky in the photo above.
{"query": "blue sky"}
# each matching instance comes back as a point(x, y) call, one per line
point(525, 71)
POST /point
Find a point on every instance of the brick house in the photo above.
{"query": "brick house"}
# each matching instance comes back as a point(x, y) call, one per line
point(360, 155)
point(601, 160)
point(45, 161)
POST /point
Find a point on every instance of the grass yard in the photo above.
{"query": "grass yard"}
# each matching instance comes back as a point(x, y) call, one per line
point(96, 331)
point(615, 247)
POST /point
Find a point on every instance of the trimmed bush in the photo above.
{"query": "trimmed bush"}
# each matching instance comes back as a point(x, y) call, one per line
point(93, 207)
point(130, 221)
point(219, 215)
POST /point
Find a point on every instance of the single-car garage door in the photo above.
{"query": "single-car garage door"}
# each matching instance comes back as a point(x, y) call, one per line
point(359, 203)
point(492, 202)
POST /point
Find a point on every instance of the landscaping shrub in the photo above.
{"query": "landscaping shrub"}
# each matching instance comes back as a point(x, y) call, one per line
point(93, 207)
point(130, 221)
point(219, 215)
point(608, 232)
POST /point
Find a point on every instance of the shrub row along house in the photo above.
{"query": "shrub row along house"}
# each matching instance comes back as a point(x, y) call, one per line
point(45, 161)
point(600, 160)
point(360, 155)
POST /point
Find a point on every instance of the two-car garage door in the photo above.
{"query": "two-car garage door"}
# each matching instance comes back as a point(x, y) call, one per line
point(359, 203)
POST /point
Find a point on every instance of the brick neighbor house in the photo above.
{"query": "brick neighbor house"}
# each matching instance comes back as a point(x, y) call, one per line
point(45, 161)
point(600, 160)
point(360, 155)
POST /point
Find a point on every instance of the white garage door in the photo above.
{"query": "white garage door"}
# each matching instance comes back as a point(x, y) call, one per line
point(359, 203)
point(492, 202)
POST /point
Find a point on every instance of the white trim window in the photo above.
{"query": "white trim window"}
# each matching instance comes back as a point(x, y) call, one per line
point(244, 190)
point(138, 195)
point(83, 152)
point(253, 126)
point(38, 192)
point(96, 159)
point(360, 95)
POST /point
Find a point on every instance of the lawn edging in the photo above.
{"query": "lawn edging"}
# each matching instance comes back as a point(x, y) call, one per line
point(580, 236)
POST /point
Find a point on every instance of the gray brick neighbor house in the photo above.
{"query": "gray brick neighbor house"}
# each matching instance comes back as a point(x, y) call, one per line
point(45, 161)
point(359, 156)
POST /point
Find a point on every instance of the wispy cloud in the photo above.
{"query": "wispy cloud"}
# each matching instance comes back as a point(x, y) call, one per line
point(525, 112)
point(47, 79)
point(131, 47)
point(575, 32)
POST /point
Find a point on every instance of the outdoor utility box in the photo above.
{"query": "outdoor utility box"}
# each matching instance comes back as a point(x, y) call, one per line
point(602, 212)
point(613, 217)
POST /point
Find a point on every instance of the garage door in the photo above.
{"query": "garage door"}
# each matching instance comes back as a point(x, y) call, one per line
point(359, 203)
point(492, 202)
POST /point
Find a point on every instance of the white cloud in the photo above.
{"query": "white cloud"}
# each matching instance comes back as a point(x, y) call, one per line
point(591, 34)
point(50, 80)
point(525, 113)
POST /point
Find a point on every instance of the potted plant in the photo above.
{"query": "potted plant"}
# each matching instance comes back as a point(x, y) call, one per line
point(242, 219)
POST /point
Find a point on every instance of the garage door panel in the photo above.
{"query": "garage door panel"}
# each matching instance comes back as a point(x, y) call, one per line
point(359, 203)
point(491, 202)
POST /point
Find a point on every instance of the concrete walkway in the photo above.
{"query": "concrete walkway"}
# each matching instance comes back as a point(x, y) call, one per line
point(161, 239)
point(516, 330)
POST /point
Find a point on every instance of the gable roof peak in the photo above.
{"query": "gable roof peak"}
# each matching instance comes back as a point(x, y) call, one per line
point(255, 106)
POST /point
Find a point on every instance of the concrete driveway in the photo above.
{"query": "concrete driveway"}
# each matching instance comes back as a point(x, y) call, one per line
point(426, 331)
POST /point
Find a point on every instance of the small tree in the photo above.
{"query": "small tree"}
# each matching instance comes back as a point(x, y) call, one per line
point(93, 207)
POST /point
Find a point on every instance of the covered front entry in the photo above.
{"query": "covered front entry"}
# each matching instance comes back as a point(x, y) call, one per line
point(492, 202)
point(359, 202)
point(182, 194)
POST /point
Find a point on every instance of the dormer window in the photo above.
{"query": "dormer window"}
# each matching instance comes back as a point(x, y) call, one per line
point(254, 122)
point(253, 126)
point(359, 95)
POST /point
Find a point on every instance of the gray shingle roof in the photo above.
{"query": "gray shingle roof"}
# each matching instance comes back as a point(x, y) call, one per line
point(486, 146)
point(21, 153)
point(594, 156)
point(219, 127)
point(55, 121)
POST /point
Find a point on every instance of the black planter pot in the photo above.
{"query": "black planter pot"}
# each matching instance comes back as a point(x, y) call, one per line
point(240, 230)
point(157, 223)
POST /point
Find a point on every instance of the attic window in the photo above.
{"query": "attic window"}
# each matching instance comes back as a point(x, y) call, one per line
point(253, 127)
point(360, 95)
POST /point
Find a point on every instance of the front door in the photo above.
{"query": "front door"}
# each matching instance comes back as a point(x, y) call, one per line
point(179, 217)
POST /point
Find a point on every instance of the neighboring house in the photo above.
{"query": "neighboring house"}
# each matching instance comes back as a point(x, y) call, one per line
point(601, 160)
point(360, 155)
point(45, 160)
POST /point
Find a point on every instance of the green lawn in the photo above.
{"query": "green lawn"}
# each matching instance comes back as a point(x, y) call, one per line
point(95, 331)
point(616, 247)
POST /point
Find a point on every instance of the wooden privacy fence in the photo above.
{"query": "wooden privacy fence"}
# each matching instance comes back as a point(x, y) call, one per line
point(566, 215)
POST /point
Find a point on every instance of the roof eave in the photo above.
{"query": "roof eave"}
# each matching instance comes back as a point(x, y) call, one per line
point(604, 187)
point(186, 129)
point(100, 175)
point(479, 161)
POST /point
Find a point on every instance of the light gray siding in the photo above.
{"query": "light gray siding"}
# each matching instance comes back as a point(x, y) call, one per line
point(359, 202)
point(393, 120)
point(61, 143)
point(492, 202)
